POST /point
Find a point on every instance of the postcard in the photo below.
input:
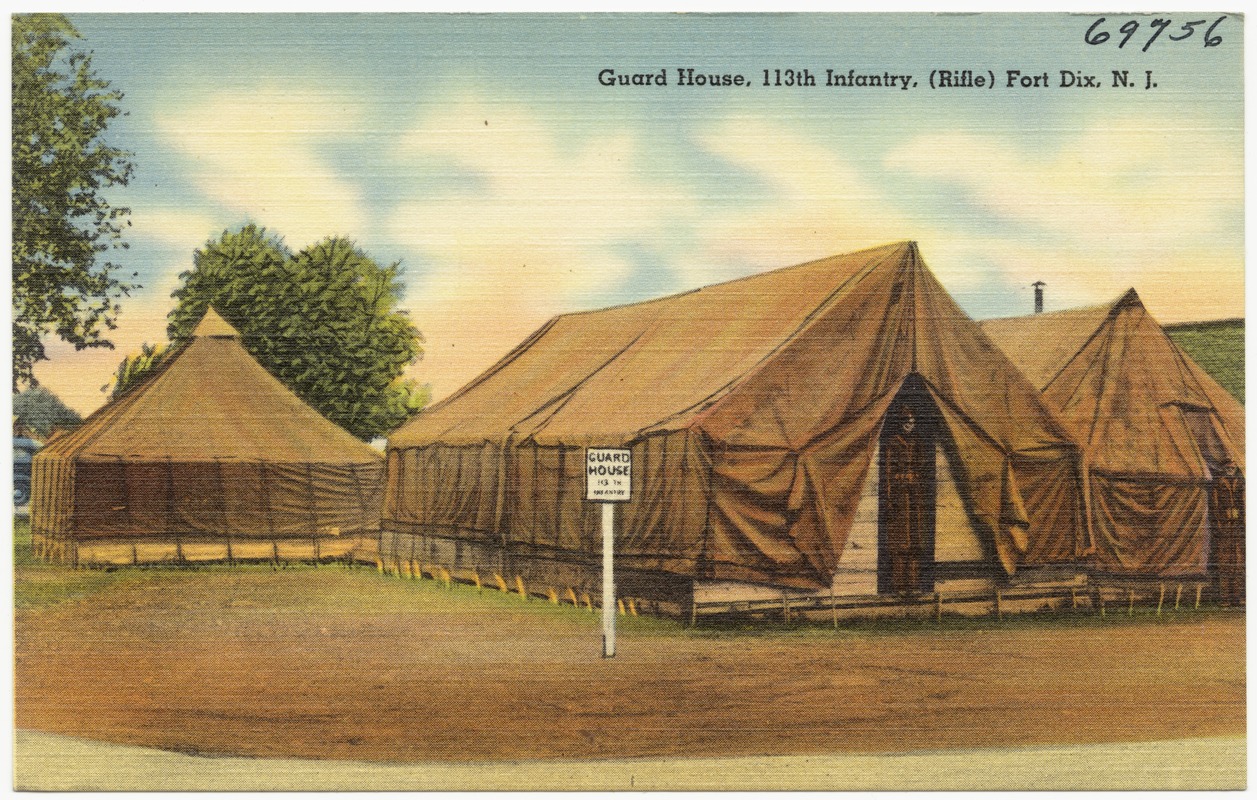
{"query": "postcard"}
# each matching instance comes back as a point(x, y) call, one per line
point(629, 401)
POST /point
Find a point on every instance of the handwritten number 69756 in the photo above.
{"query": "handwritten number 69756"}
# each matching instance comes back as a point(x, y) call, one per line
point(1096, 35)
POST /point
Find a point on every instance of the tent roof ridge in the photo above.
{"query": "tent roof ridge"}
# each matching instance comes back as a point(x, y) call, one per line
point(713, 401)
point(903, 244)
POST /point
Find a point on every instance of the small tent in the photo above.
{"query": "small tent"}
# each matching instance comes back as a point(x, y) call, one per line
point(1163, 442)
point(211, 458)
point(761, 415)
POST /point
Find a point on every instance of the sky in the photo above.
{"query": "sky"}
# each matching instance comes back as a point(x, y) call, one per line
point(483, 153)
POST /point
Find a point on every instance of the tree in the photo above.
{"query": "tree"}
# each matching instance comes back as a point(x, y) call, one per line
point(323, 321)
point(62, 225)
point(135, 367)
point(40, 411)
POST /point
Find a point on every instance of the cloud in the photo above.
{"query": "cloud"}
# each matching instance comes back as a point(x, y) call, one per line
point(541, 229)
point(817, 203)
point(539, 223)
point(257, 155)
point(1150, 203)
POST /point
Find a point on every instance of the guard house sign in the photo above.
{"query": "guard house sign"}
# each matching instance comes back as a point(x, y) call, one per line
point(608, 475)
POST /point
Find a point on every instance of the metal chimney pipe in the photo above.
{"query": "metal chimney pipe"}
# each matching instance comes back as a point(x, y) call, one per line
point(1038, 296)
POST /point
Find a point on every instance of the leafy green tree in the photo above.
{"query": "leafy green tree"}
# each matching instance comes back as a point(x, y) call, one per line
point(323, 321)
point(62, 225)
point(40, 411)
point(135, 367)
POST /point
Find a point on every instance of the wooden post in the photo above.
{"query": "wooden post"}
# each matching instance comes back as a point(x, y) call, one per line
point(1130, 609)
point(833, 605)
point(1161, 600)
point(938, 607)
point(999, 610)
point(1178, 595)
point(608, 580)
point(1073, 599)
point(1198, 587)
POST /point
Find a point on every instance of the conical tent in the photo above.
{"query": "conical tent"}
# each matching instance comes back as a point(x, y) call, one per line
point(753, 411)
point(210, 452)
point(1157, 431)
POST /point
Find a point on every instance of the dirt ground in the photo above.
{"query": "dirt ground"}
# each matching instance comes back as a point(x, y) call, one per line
point(334, 663)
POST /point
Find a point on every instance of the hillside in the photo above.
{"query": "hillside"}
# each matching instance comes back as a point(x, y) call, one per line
point(1218, 347)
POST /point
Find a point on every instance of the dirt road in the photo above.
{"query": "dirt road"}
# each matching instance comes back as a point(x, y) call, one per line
point(344, 664)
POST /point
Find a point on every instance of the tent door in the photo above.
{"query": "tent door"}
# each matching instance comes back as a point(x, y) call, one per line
point(1226, 531)
point(1226, 507)
point(907, 493)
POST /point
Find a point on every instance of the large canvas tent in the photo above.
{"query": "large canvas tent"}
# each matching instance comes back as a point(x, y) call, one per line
point(754, 411)
point(211, 458)
point(1163, 441)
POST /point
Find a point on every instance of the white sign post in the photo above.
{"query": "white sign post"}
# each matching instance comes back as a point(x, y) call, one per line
point(608, 480)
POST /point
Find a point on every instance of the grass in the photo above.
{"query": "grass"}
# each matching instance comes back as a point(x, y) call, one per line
point(361, 589)
point(1080, 618)
point(37, 584)
point(1218, 347)
point(333, 587)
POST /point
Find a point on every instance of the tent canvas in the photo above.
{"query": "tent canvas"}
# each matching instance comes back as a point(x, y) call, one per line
point(753, 410)
point(209, 447)
point(1156, 429)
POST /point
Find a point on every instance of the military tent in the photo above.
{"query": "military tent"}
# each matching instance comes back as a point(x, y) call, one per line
point(210, 458)
point(754, 411)
point(1163, 442)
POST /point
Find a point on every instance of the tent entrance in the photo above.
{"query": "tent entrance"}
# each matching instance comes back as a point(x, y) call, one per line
point(1226, 531)
point(907, 493)
point(1226, 506)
